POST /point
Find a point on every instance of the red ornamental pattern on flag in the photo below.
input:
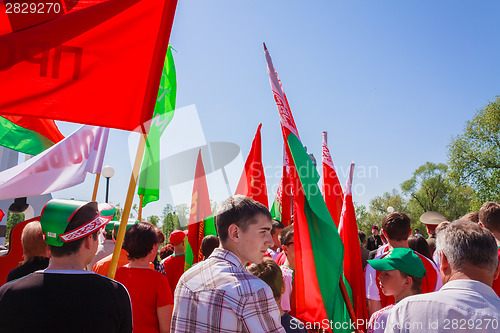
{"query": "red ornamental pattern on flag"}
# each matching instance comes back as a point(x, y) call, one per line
point(200, 210)
point(286, 118)
point(331, 188)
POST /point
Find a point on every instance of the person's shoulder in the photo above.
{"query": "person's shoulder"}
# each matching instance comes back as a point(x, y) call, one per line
point(21, 282)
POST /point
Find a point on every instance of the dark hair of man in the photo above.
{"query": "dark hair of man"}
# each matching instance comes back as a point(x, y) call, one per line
point(160, 235)
point(472, 216)
point(208, 245)
point(417, 282)
point(166, 250)
point(140, 239)
point(362, 236)
point(85, 214)
point(397, 226)
point(269, 272)
point(239, 210)
point(286, 235)
point(420, 245)
point(276, 225)
point(489, 215)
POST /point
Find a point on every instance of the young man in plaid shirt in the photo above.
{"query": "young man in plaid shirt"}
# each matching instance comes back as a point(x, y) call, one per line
point(218, 294)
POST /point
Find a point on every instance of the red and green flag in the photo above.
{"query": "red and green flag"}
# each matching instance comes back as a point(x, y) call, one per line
point(331, 188)
point(318, 248)
point(149, 177)
point(353, 266)
point(201, 221)
point(92, 62)
point(28, 135)
point(253, 180)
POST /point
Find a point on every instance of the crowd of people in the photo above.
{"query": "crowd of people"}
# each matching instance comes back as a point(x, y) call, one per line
point(245, 283)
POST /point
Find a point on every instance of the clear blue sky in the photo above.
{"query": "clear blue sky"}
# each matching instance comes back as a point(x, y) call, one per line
point(390, 81)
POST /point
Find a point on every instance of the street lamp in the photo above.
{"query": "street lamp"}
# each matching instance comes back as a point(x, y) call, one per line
point(107, 172)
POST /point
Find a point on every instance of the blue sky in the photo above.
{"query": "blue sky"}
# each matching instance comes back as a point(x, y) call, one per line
point(390, 81)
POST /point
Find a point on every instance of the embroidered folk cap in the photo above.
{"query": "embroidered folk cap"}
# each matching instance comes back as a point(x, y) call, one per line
point(404, 260)
point(56, 217)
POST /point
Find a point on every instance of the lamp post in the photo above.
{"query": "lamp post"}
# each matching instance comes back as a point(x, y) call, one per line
point(107, 173)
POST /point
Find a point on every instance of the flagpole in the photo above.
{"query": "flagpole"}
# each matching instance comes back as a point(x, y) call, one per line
point(139, 215)
point(347, 301)
point(127, 206)
point(96, 186)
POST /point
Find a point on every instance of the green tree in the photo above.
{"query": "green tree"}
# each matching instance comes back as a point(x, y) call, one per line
point(153, 219)
point(362, 218)
point(431, 189)
point(367, 218)
point(12, 220)
point(182, 211)
point(474, 156)
point(118, 212)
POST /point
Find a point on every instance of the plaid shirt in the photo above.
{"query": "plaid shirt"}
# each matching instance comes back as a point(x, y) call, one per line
point(219, 295)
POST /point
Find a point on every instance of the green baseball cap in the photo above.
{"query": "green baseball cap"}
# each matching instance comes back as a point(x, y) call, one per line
point(402, 259)
point(57, 214)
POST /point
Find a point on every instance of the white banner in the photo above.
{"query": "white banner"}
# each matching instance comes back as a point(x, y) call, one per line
point(61, 166)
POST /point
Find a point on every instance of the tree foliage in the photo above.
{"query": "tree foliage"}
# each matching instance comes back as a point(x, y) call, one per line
point(12, 220)
point(474, 156)
point(431, 189)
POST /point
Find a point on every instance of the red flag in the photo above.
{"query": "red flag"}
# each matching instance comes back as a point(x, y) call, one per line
point(353, 267)
point(92, 62)
point(200, 210)
point(253, 180)
point(332, 191)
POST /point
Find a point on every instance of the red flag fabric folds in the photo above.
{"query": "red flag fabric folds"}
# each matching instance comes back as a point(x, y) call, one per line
point(200, 210)
point(253, 180)
point(353, 267)
point(95, 62)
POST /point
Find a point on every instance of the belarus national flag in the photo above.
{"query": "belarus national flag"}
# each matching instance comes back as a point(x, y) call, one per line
point(318, 249)
point(28, 135)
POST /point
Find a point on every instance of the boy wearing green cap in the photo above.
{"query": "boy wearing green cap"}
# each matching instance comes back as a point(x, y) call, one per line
point(401, 276)
point(65, 297)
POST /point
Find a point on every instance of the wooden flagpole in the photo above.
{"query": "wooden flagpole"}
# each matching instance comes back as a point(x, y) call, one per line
point(128, 205)
point(96, 186)
point(347, 300)
point(141, 197)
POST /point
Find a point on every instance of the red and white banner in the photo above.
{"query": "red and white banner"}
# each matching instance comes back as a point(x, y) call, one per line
point(331, 188)
point(286, 118)
point(61, 166)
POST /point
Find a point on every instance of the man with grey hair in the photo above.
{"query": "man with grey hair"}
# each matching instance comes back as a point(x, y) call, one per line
point(469, 264)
